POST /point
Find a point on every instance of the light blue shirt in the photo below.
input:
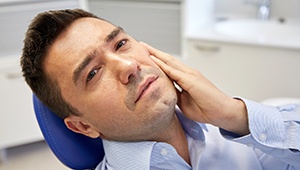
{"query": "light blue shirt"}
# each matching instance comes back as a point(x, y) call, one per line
point(274, 144)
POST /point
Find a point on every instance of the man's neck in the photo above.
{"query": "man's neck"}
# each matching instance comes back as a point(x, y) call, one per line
point(176, 137)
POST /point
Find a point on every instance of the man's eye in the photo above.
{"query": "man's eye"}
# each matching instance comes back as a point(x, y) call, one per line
point(120, 44)
point(91, 75)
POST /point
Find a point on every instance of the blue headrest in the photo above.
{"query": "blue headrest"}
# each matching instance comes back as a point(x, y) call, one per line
point(74, 150)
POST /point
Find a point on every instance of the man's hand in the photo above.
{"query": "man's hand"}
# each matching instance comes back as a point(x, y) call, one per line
point(199, 99)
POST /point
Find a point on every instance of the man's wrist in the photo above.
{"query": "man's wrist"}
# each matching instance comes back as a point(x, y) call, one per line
point(237, 119)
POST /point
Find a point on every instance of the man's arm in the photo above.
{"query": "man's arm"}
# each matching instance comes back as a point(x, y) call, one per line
point(274, 130)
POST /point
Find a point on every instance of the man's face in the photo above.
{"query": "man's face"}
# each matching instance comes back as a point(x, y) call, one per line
point(110, 78)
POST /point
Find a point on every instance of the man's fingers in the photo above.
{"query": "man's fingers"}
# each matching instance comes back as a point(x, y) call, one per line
point(159, 54)
point(177, 71)
point(181, 78)
point(166, 58)
point(170, 71)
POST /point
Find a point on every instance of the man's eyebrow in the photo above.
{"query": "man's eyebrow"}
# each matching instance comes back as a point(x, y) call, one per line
point(82, 66)
point(113, 34)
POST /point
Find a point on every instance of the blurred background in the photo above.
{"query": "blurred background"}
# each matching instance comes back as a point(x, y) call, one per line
point(248, 48)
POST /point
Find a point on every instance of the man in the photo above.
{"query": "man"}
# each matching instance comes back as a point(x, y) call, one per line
point(104, 83)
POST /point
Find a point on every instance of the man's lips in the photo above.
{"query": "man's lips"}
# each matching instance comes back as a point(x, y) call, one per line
point(143, 87)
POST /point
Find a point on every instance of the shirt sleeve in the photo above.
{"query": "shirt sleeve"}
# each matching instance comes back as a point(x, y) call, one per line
point(273, 130)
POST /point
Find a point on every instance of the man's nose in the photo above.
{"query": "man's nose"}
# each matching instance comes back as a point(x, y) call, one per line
point(125, 68)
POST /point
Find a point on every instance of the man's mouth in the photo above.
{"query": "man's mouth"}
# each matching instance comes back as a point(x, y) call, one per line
point(142, 89)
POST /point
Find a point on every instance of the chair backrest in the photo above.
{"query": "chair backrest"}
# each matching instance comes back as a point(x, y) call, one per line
point(74, 150)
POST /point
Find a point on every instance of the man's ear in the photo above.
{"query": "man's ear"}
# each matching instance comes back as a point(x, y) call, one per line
point(79, 125)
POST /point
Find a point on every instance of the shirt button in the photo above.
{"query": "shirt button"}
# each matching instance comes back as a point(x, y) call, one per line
point(263, 137)
point(164, 152)
point(195, 130)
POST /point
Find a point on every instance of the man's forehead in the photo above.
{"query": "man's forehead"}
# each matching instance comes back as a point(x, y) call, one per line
point(82, 32)
point(92, 22)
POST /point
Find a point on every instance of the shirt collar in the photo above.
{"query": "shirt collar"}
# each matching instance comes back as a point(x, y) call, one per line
point(192, 128)
point(125, 155)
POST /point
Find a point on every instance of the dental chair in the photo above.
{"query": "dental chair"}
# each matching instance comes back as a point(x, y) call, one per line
point(74, 150)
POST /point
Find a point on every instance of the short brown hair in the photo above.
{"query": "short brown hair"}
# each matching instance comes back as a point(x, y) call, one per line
point(41, 34)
